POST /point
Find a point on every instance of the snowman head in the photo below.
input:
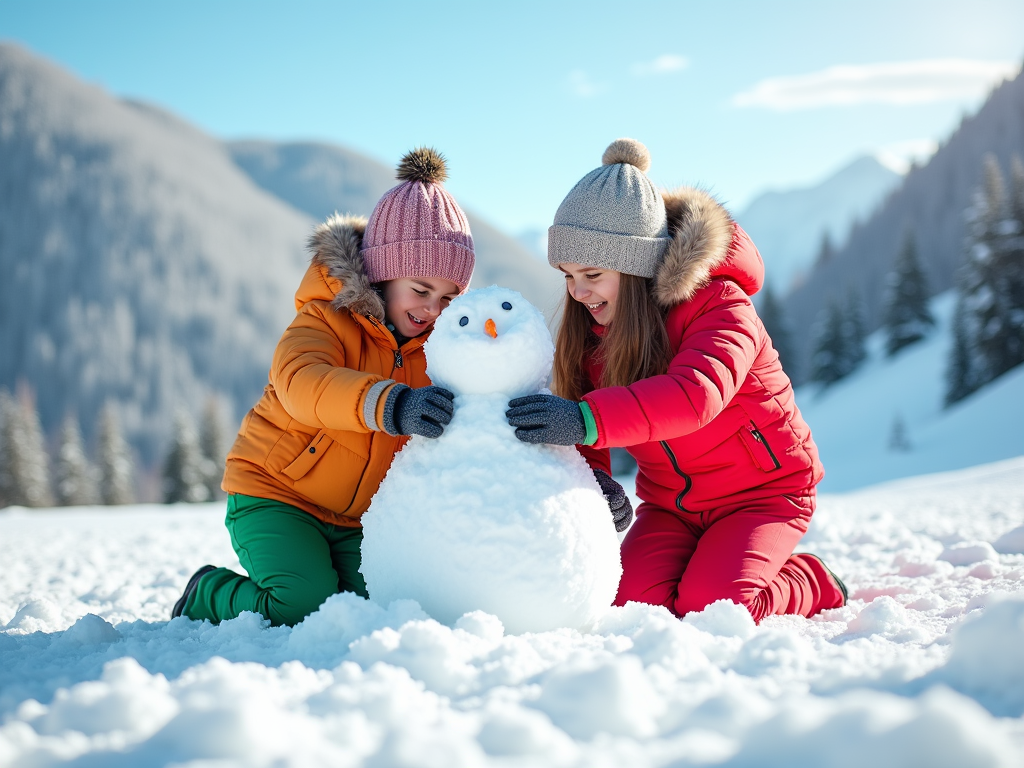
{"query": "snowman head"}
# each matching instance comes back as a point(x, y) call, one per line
point(490, 341)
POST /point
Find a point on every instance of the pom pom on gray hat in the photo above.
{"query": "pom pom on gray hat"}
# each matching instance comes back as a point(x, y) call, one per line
point(629, 151)
point(614, 218)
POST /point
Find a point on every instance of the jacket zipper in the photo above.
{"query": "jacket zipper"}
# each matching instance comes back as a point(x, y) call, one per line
point(399, 360)
point(760, 438)
point(687, 480)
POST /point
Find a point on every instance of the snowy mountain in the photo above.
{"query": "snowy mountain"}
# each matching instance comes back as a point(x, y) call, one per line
point(854, 421)
point(139, 263)
point(320, 179)
point(924, 666)
point(788, 225)
point(930, 202)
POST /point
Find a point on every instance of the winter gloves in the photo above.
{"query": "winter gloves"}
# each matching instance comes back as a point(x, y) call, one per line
point(551, 419)
point(425, 411)
point(555, 420)
point(618, 501)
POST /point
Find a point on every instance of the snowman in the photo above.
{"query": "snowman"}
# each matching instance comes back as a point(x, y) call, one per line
point(476, 519)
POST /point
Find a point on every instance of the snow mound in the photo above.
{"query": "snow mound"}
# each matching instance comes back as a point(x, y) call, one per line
point(923, 667)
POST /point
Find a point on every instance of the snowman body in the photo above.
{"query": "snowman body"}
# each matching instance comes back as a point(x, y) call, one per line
point(477, 519)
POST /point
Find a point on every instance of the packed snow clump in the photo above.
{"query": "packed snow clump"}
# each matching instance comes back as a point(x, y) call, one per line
point(478, 520)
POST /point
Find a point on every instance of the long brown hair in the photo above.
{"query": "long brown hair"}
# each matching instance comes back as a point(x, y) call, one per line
point(635, 346)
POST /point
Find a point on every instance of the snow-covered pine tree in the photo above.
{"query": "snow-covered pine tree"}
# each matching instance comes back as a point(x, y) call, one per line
point(116, 468)
point(1017, 187)
point(828, 358)
point(991, 284)
point(26, 465)
point(75, 478)
point(183, 468)
point(960, 369)
point(826, 250)
point(6, 478)
point(898, 439)
point(773, 317)
point(906, 317)
point(214, 447)
point(854, 334)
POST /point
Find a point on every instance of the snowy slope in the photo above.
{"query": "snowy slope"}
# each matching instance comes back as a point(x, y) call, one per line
point(788, 225)
point(924, 667)
point(852, 421)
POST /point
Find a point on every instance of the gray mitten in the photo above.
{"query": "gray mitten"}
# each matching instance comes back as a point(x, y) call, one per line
point(547, 419)
point(425, 411)
point(618, 501)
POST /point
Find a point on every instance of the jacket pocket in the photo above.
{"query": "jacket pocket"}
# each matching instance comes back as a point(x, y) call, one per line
point(758, 448)
point(310, 455)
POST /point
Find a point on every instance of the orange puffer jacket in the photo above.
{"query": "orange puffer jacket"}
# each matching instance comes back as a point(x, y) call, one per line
point(315, 439)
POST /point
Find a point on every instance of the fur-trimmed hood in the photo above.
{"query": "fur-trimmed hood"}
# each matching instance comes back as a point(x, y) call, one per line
point(336, 272)
point(706, 243)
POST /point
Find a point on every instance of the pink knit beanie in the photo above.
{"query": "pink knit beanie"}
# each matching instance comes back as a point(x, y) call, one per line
point(417, 229)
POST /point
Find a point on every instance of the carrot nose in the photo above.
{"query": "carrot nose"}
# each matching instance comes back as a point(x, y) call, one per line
point(491, 329)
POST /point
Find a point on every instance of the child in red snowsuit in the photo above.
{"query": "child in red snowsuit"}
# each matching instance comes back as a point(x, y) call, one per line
point(660, 351)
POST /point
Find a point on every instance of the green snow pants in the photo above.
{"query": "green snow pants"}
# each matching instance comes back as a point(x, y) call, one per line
point(294, 561)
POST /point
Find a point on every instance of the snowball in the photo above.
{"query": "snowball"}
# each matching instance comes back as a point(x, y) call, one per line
point(724, 618)
point(517, 731)
point(885, 617)
point(90, 630)
point(1011, 542)
point(987, 661)
point(612, 696)
point(969, 553)
point(126, 698)
point(40, 615)
point(478, 520)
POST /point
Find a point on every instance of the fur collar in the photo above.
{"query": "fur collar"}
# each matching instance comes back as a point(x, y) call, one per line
point(702, 233)
point(335, 246)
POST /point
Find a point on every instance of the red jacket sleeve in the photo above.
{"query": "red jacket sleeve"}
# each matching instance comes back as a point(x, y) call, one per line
point(716, 351)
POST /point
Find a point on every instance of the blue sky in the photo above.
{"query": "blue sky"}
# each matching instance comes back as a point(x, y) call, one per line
point(523, 97)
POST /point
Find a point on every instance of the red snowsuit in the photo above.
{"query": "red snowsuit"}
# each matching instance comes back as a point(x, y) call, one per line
point(727, 466)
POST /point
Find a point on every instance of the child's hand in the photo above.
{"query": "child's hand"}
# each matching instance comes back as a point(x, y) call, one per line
point(618, 501)
point(547, 419)
point(425, 411)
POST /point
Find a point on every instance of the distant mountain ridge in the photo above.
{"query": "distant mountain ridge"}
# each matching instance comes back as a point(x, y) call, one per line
point(320, 179)
point(788, 225)
point(931, 202)
point(139, 263)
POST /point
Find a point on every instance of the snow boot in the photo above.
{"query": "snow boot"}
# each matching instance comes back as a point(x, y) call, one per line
point(836, 579)
point(189, 589)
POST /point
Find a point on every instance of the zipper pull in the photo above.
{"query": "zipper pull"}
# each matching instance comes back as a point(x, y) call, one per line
point(398, 358)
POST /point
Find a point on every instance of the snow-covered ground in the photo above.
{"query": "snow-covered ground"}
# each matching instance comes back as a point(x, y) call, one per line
point(852, 421)
point(924, 667)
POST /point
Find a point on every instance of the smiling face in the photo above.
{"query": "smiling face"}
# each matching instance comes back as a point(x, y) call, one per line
point(595, 288)
point(412, 304)
point(490, 341)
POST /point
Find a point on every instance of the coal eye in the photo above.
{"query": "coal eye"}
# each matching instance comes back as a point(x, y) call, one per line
point(463, 320)
point(506, 305)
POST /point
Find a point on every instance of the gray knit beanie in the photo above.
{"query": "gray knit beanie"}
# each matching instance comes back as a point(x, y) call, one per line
point(614, 217)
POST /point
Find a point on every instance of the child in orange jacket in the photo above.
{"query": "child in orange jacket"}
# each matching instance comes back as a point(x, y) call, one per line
point(348, 384)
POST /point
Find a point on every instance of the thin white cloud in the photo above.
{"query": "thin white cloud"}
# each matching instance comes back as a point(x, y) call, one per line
point(906, 82)
point(900, 154)
point(581, 84)
point(669, 62)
